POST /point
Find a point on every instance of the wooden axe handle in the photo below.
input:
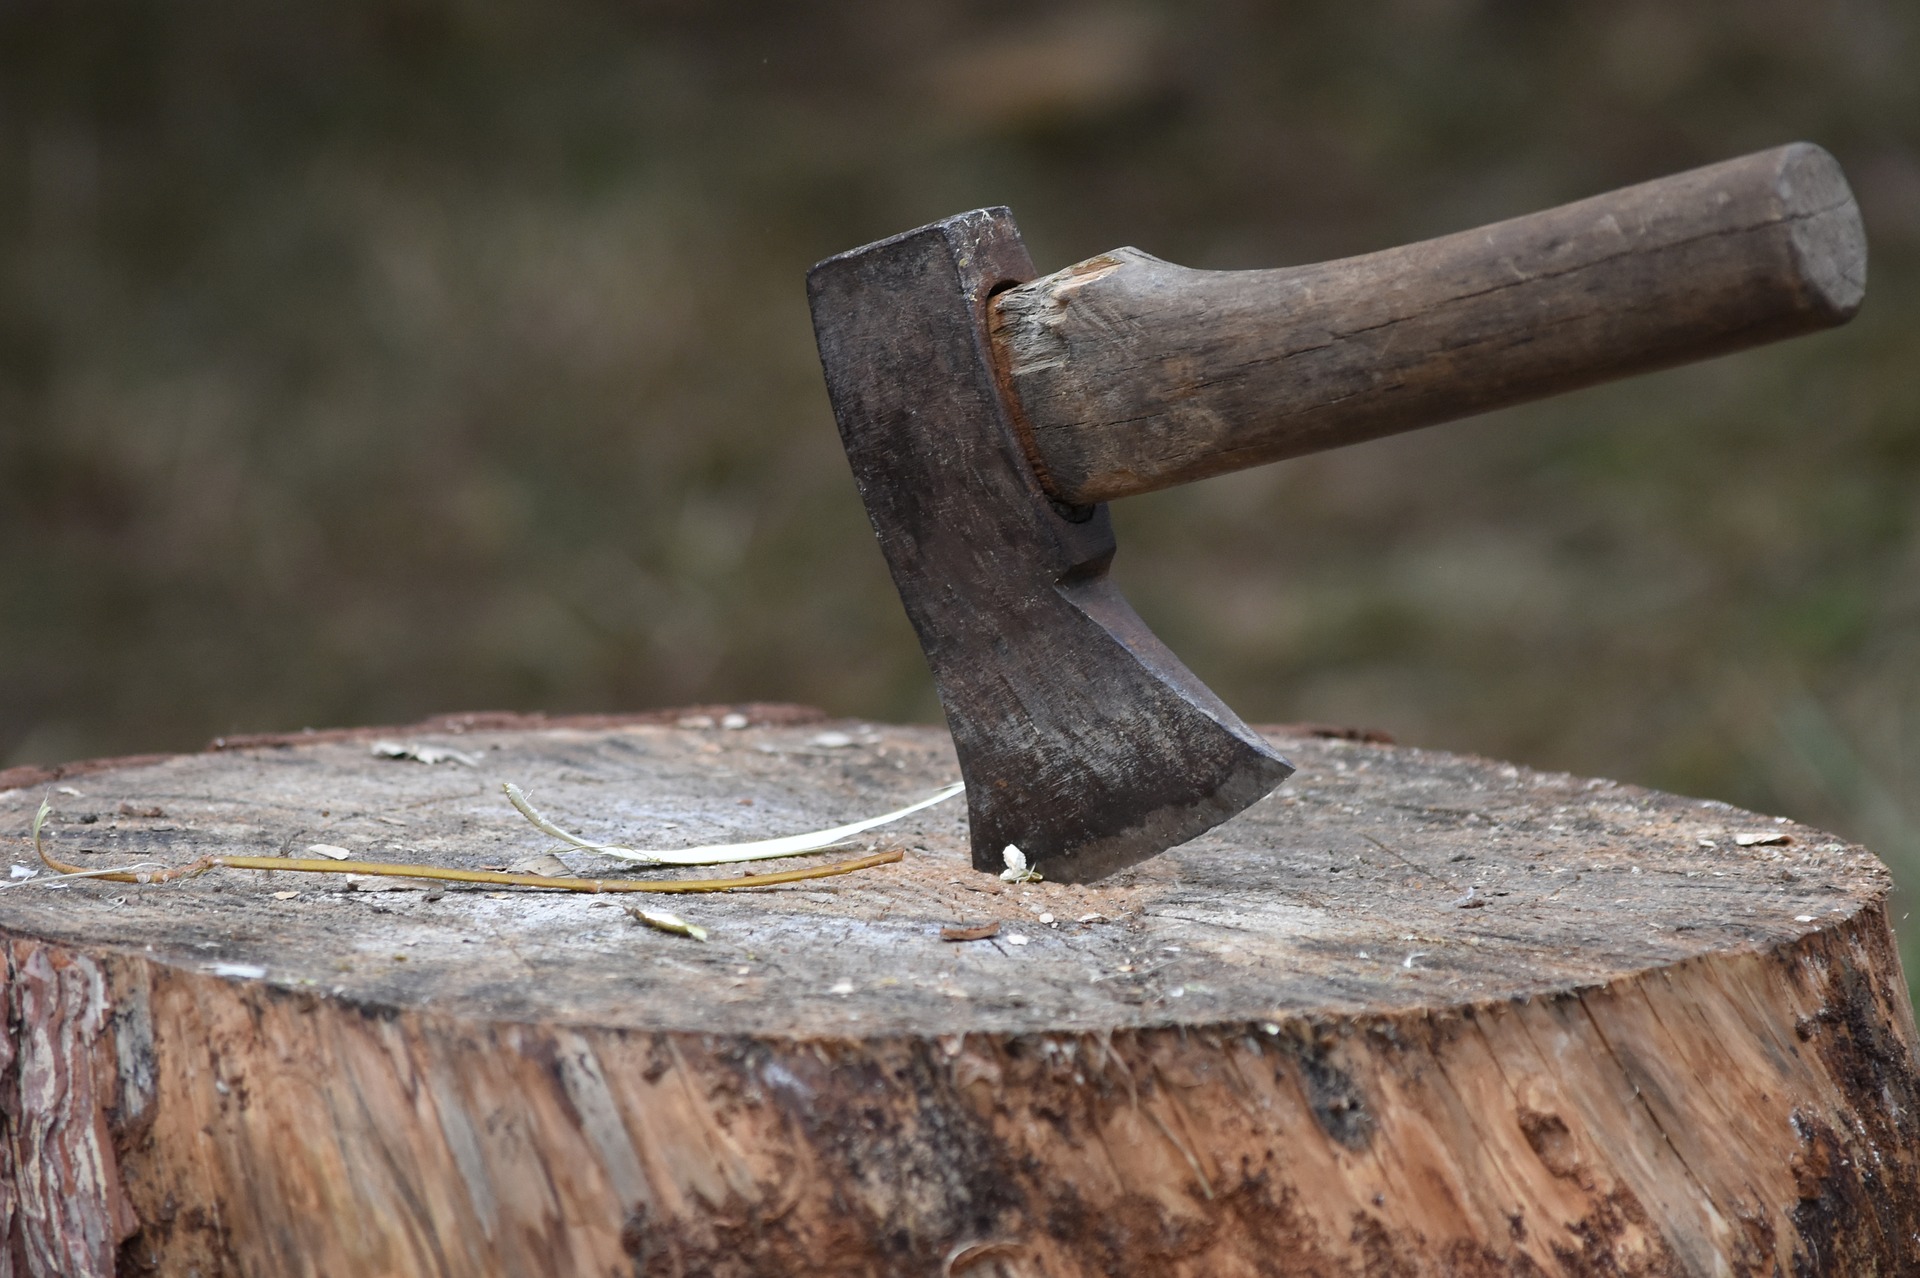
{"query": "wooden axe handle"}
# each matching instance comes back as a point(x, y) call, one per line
point(1133, 374)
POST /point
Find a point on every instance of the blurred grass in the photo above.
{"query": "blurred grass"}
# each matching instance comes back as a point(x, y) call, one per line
point(369, 360)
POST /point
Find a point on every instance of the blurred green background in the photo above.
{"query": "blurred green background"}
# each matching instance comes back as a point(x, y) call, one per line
point(366, 360)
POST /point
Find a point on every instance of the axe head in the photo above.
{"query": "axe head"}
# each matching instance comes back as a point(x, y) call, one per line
point(1081, 738)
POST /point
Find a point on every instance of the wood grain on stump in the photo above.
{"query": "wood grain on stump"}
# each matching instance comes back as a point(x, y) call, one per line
point(1414, 1014)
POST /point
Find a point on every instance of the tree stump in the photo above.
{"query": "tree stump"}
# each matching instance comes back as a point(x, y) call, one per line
point(1414, 1014)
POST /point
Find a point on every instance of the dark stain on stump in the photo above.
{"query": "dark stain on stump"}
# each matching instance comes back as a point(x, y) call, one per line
point(1337, 1102)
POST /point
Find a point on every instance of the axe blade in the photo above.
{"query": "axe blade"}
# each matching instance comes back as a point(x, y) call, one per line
point(1082, 739)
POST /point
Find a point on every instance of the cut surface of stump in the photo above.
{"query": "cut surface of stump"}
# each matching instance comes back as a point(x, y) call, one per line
point(1414, 1013)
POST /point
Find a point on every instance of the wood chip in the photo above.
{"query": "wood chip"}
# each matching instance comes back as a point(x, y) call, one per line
point(969, 931)
point(421, 752)
point(662, 921)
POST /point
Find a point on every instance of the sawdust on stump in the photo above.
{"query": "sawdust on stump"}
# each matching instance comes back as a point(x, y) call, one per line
point(1414, 1013)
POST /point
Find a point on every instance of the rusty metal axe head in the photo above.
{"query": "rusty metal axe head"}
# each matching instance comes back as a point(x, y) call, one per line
point(1082, 739)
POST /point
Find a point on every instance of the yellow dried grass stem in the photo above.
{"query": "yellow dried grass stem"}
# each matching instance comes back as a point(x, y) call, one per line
point(395, 870)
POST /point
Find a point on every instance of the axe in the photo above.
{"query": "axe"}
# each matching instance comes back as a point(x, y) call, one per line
point(989, 416)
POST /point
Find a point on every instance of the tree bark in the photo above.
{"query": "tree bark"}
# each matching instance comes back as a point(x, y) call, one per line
point(1414, 1014)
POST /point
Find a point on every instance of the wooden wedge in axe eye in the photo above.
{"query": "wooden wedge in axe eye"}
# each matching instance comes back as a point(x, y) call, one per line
point(989, 416)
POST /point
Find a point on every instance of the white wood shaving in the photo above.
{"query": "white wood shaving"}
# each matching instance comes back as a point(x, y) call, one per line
point(723, 853)
point(1017, 870)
